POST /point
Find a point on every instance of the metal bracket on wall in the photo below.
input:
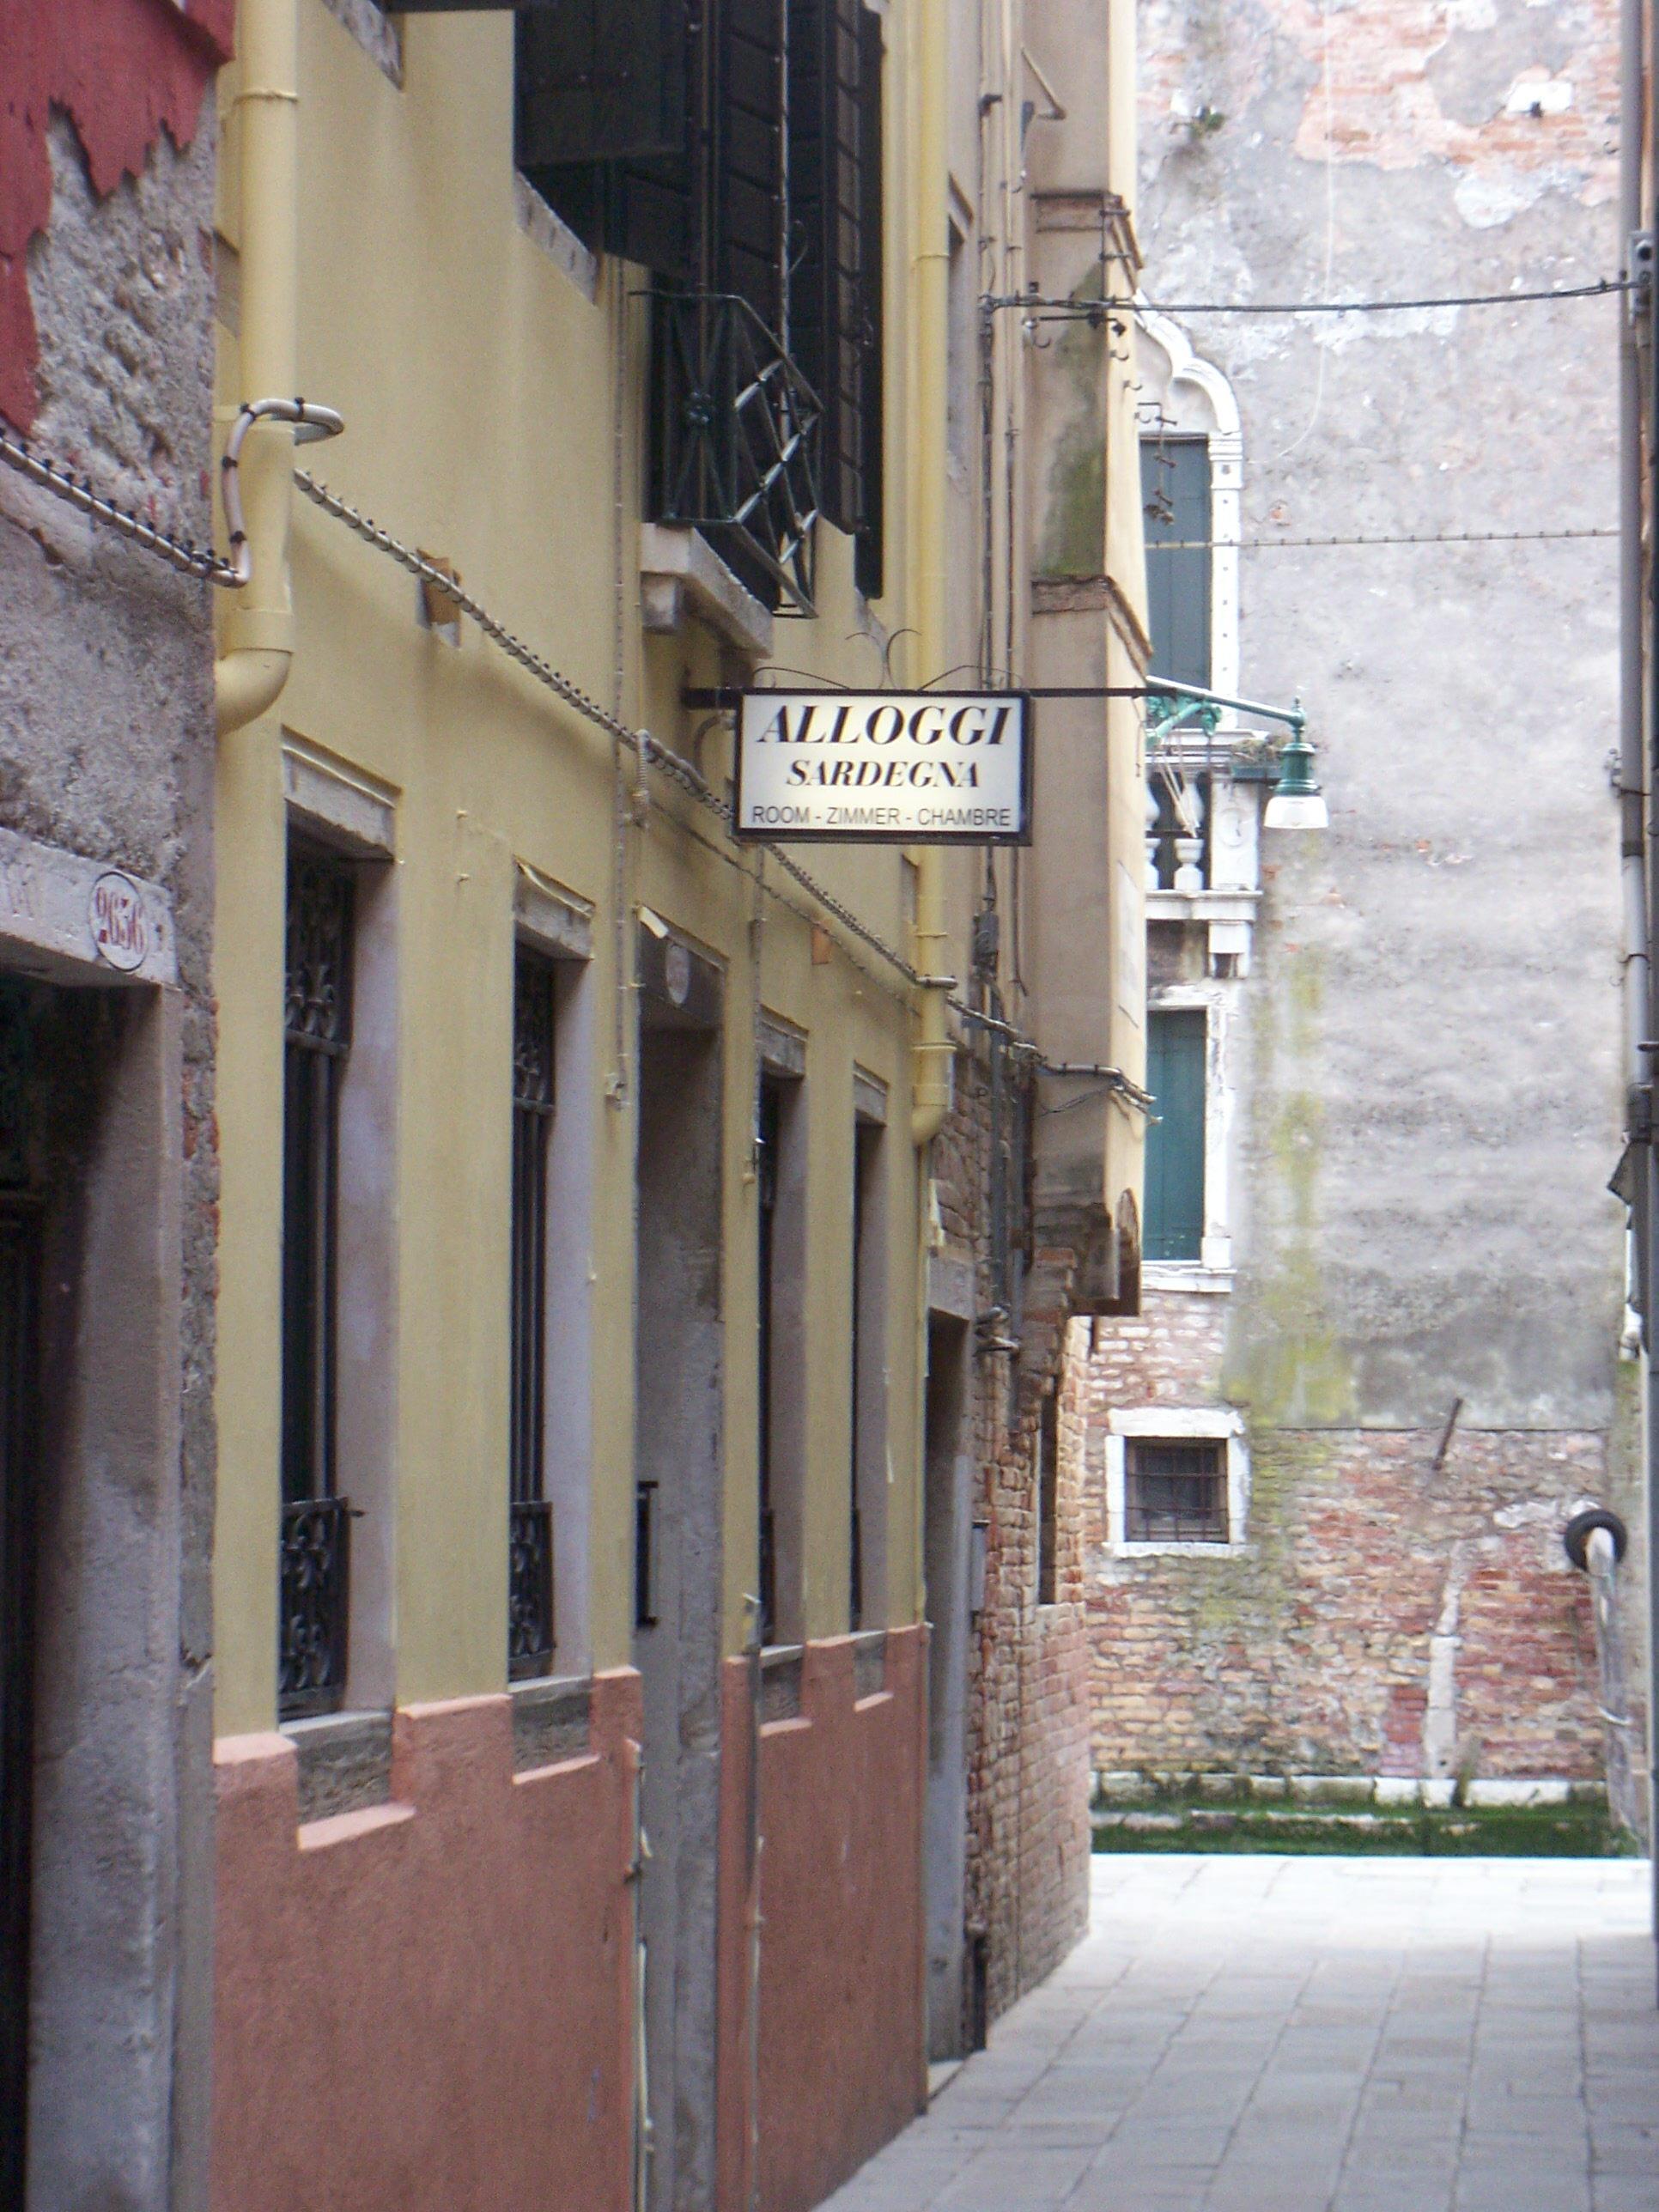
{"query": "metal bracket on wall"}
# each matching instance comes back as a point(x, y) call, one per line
point(1640, 261)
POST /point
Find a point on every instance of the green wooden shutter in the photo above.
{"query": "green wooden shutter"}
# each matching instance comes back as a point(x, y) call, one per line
point(748, 235)
point(870, 549)
point(601, 81)
point(1175, 476)
point(1174, 1142)
point(834, 212)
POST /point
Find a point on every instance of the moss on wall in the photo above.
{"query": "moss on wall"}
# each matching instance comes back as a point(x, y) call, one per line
point(1072, 538)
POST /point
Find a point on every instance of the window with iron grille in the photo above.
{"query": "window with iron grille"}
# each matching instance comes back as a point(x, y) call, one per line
point(733, 149)
point(1175, 1491)
point(530, 1563)
point(769, 1136)
point(1048, 1497)
point(316, 1520)
point(866, 1483)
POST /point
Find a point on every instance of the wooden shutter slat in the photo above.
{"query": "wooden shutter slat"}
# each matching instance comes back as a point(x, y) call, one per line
point(601, 80)
point(1175, 488)
point(1175, 1045)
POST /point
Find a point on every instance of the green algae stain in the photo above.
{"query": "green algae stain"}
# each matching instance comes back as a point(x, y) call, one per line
point(1287, 1366)
point(1073, 539)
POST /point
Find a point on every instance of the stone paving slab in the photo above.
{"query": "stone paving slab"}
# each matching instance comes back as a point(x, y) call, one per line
point(1315, 2035)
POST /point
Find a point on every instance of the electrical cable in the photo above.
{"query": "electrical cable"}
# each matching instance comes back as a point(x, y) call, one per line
point(1094, 310)
point(650, 752)
point(1424, 538)
point(181, 554)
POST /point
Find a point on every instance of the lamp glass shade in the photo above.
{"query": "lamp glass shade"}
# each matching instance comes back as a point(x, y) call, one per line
point(1296, 803)
point(1304, 810)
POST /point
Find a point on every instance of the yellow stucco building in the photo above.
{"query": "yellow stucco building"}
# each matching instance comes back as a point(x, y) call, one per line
point(582, 1233)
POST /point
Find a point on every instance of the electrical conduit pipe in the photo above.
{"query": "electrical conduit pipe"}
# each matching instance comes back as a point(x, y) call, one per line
point(258, 639)
point(930, 284)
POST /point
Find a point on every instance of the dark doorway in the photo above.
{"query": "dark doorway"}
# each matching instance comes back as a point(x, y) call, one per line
point(17, 1499)
point(947, 1536)
point(677, 1638)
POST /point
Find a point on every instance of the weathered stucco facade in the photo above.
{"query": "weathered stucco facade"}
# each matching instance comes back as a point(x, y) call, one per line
point(109, 1203)
point(1409, 1286)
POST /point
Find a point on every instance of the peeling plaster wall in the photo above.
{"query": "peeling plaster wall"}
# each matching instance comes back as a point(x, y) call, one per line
point(1429, 1089)
point(106, 741)
point(123, 72)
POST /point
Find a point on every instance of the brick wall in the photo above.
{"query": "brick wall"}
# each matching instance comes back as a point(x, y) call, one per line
point(1310, 1650)
point(1028, 1699)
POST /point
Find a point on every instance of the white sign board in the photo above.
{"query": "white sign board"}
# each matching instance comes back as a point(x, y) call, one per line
point(918, 767)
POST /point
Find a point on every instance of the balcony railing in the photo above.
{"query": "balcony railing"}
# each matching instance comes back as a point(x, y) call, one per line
point(529, 1588)
point(316, 1592)
point(737, 437)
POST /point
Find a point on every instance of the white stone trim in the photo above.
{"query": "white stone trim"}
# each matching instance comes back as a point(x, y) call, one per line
point(552, 920)
point(1219, 1422)
point(343, 806)
point(48, 899)
point(1215, 1001)
point(1226, 443)
point(1117, 1785)
point(381, 38)
point(1186, 1275)
point(681, 575)
point(545, 227)
point(782, 1048)
point(869, 1097)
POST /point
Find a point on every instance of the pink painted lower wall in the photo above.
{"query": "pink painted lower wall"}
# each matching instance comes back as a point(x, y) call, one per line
point(426, 2007)
point(842, 2061)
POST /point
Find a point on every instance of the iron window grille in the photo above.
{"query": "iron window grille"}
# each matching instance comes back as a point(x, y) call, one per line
point(1176, 1490)
point(866, 1153)
point(768, 1137)
point(733, 148)
point(16, 1059)
point(316, 1550)
point(529, 1564)
point(737, 434)
point(1048, 1497)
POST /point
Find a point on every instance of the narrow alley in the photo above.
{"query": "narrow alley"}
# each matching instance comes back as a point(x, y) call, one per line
point(1315, 2035)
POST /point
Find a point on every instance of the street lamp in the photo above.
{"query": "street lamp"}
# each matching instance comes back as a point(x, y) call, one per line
point(1298, 802)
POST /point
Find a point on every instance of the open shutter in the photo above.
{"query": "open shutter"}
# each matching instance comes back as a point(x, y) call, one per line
point(1174, 475)
point(601, 81)
point(835, 192)
point(748, 223)
point(1175, 1142)
point(872, 420)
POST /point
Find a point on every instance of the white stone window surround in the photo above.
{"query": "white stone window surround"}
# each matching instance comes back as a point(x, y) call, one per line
point(558, 924)
point(1173, 1424)
point(1199, 403)
point(334, 803)
point(1212, 1270)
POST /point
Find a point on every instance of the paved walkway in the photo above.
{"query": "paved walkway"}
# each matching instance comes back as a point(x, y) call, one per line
point(1315, 2035)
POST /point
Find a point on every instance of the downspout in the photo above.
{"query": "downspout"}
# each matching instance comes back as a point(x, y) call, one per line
point(934, 1053)
point(258, 639)
point(1639, 472)
point(1631, 781)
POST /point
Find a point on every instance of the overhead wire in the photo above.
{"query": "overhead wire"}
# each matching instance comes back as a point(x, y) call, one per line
point(650, 752)
point(1093, 310)
point(1407, 538)
point(181, 554)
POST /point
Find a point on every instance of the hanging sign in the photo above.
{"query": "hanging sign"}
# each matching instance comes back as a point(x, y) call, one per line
point(918, 768)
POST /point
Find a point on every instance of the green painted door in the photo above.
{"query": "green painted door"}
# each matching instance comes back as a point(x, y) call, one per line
point(1174, 1142)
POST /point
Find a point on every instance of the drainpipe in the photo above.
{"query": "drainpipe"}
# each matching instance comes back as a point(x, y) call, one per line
point(1638, 747)
point(257, 637)
point(930, 321)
